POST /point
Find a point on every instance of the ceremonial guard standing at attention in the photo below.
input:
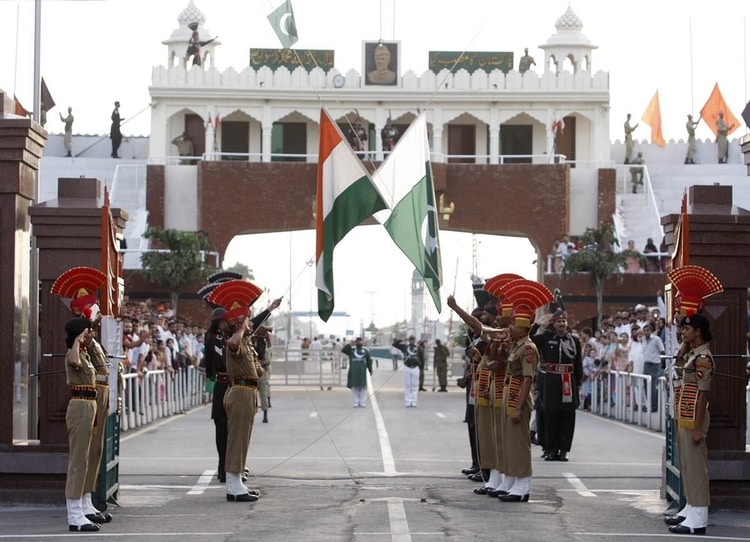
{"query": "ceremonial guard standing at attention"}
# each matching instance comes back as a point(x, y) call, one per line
point(244, 370)
point(360, 363)
point(216, 367)
point(479, 390)
point(558, 383)
point(411, 371)
point(216, 370)
point(694, 368)
point(521, 358)
point(87, 374)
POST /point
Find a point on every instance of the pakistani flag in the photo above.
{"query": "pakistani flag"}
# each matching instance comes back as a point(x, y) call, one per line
point(405, 180)
point(282, 21)
point(346, 196)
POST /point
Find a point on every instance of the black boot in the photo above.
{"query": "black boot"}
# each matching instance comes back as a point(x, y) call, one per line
point(265, 416)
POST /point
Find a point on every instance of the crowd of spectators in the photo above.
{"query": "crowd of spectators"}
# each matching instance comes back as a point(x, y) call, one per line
point(153, 339)
point(631, 340)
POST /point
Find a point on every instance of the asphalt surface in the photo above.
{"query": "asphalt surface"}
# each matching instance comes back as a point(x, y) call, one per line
point(330, 472)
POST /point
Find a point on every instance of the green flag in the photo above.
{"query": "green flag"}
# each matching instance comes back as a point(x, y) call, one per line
point(405, 181)
point(282, 22)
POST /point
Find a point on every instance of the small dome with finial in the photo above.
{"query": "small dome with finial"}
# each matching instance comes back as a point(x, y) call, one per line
point(569, 21)
point(191, 16)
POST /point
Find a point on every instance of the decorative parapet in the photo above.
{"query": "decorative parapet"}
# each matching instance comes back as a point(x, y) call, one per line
point(300, 79)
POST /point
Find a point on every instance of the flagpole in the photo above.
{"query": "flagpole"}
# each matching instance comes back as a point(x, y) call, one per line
point(15, 69)
point(37, 59)
point(692, 100)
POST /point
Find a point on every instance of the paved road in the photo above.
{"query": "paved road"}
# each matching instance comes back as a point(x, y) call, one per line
point(330, 472)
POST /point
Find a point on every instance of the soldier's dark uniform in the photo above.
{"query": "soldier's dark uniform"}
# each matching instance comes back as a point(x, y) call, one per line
point(557, 387)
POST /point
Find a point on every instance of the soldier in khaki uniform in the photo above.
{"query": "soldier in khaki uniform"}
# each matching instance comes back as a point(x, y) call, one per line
point(521, 358)
point(80, 376)
point(693, 419)
point(694, 368)
point(77, 287)
point(244, 370)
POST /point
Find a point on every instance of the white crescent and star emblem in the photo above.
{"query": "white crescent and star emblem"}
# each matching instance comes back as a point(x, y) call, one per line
point(287, 26)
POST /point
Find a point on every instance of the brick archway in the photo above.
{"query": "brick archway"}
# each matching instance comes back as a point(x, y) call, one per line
point(244, 198)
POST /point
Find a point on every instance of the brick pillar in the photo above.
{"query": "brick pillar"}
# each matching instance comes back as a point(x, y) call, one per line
point(21, 144)
point(720, 242)
point(68, 232)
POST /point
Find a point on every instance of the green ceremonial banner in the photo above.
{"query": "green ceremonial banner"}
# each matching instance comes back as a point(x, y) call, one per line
point(469, 61)
point(291, 59)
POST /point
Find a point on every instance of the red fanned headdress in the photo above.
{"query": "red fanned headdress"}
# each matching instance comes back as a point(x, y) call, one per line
point(694, 283)
point(236, 296)
point(78, 285)
point(495, 285)
point(526, 296)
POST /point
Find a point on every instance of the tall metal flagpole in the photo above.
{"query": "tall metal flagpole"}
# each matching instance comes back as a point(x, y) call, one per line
point(34, 342)
point(692, 101)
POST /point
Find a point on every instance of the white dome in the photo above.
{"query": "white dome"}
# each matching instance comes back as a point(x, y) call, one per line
point(569, 21)
point(191, 14)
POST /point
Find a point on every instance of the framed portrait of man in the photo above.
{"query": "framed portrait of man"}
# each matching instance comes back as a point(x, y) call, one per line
point(381, 60)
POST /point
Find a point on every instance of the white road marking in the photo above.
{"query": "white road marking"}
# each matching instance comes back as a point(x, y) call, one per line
point(203, 482)
point(396, 511)
point(440, 415)
point(581, 489)
point(313, 414)
point(389, 464)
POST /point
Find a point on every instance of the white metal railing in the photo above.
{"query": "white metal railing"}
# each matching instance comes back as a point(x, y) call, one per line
point(135, 177)
point(159, 394)
point(623, 396)
point(438, 157)
point(624, 186)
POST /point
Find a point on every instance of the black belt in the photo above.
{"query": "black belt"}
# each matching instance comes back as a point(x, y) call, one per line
point(249, 382)
point(558, 368)
point(411, 364)
point(86, 392)
point(222, 378)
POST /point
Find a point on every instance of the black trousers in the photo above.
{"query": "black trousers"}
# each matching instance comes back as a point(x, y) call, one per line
point(219, 416)
point(470, 422)
point(559, 427)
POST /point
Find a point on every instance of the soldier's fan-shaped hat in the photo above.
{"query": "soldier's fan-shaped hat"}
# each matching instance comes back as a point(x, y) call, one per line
point(77, 286)
point(526, 296)
point(495, 287)
point(694, 284)
point(236, 297)
point(223, 276)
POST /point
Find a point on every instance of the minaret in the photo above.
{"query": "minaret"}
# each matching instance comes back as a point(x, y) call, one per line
point(568, 43)
point(191, 19)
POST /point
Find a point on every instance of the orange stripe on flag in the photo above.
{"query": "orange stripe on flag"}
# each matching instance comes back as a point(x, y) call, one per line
point(652, 117)
point(710, 111)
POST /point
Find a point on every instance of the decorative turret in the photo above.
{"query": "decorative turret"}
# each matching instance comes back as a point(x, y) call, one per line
point(568, 43)
point(191, 44)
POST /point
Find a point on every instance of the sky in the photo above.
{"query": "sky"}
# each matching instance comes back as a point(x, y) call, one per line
point(94, 52)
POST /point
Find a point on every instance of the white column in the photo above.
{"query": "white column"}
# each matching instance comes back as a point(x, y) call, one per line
point(437, 136)
point(266, 130)
point(494, 136)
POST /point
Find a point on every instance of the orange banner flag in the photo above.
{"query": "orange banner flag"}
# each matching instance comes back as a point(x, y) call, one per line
point(652, 117)
point(714, 105)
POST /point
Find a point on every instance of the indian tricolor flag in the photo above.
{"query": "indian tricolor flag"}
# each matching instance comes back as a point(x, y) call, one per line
point(346, 196)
